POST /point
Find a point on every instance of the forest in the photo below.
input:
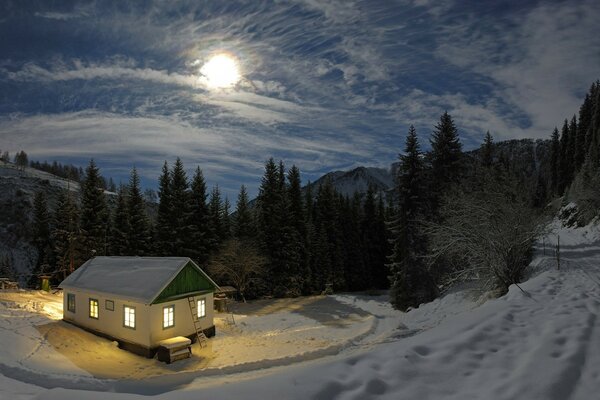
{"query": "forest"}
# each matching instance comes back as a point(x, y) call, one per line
point(452, 216)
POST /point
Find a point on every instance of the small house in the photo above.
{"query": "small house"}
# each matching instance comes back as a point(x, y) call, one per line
point(140, 301)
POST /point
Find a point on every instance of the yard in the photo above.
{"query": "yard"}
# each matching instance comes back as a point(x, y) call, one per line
point(266, 333)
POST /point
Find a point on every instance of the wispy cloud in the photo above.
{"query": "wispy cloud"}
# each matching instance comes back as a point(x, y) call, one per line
point(325, 84)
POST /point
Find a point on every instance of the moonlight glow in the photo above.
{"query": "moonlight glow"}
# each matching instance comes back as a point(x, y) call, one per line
point(221, 71)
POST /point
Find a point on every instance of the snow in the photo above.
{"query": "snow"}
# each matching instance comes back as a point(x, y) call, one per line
point(539, 341)
point(121, 276)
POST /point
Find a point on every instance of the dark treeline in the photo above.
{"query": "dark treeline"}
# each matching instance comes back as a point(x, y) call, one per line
point(66, 171)
point(475, 216)
point(455, 216)
point(303, 243)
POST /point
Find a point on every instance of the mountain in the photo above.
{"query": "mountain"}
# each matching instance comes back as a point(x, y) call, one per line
point(356, 180)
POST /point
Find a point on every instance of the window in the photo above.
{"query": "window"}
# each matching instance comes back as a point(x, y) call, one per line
point(201, 308)
point(71, 302)
point(168, 316)
point(109, 305)
point(94, 308)
point(129, 317)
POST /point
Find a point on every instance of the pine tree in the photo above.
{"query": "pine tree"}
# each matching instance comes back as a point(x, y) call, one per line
point(243, 223)
point(94, 214)
point(119, 234)
point(164, 227)
point(226, 219)
point(202, 240)
point(564, 162)
point(487, 150)
point(41, 235)
point(215, 212)
point(555, 162)
point(66, 235)
point(410, 281)
point(446, 157)
point(180, 213)
point(355, 269)
point(138, 234)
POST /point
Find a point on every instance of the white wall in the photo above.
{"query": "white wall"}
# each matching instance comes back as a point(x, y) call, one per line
point(183, 319)
point(109, 322)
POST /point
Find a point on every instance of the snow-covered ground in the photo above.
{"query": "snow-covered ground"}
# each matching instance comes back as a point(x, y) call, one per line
point(540, 341)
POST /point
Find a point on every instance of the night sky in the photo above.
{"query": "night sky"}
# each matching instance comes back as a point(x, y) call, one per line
point(325, 85)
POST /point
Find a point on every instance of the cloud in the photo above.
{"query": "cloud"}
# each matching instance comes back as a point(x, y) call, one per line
point(32, 72)
point(541, 67)
point(222, 152)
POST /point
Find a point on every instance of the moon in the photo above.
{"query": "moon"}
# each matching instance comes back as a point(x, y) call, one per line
point(221, 71)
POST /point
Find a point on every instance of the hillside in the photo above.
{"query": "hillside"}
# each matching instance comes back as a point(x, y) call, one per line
point(16, 211)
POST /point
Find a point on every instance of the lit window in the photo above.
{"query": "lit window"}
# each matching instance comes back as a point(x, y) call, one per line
point(129, 317)
point(93, 308)
point(71, 302)
point(168, 316)
point(201, 308)
point(109, 305)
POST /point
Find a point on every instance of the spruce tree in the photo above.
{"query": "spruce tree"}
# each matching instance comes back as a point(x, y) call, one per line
point(66, 235)
point(243, 226)
point(554, 162)
point(180, 210)
point(41, 236)
point(487, 150)
point(94, 213)
point(215, 212)
point(164, 226)
point(201, 237)
point(120, 226)
point(138, 234)
point(410, 281)
point(446, 158)
point(226, 219)
point(355, 267)
point(564, 161)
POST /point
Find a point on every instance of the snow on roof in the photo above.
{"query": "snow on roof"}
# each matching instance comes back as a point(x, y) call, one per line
point(136, 278)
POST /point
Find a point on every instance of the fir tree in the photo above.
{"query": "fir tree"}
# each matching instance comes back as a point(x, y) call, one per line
point(180, 213)
point(66, 235)
point(202, 240)
point(487, 150)
point(446, 157)
point(164, 228)
point(554, 161)
point(243, 221)
point(120, 226)
point(226, 219)
point(138, 234)
point(94, 214)
point(215, 212)
point(565, 161)
point(410, 282)
point(41, 235)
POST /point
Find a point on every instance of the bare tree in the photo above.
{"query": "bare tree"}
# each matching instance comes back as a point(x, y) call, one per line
point(488, 234)
point(239, 262)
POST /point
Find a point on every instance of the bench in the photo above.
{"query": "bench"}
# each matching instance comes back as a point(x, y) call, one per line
point(173, 349)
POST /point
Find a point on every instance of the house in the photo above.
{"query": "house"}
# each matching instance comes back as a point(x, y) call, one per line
point(140, 301)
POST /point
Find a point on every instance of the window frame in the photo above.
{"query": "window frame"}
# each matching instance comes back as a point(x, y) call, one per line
point(172, 306)
point(107, 302)
point(203, 300)
point(125, 307)
point(97, 308)
point(71, 301)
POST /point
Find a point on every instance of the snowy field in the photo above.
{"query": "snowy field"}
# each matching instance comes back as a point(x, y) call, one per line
point(540, 341)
